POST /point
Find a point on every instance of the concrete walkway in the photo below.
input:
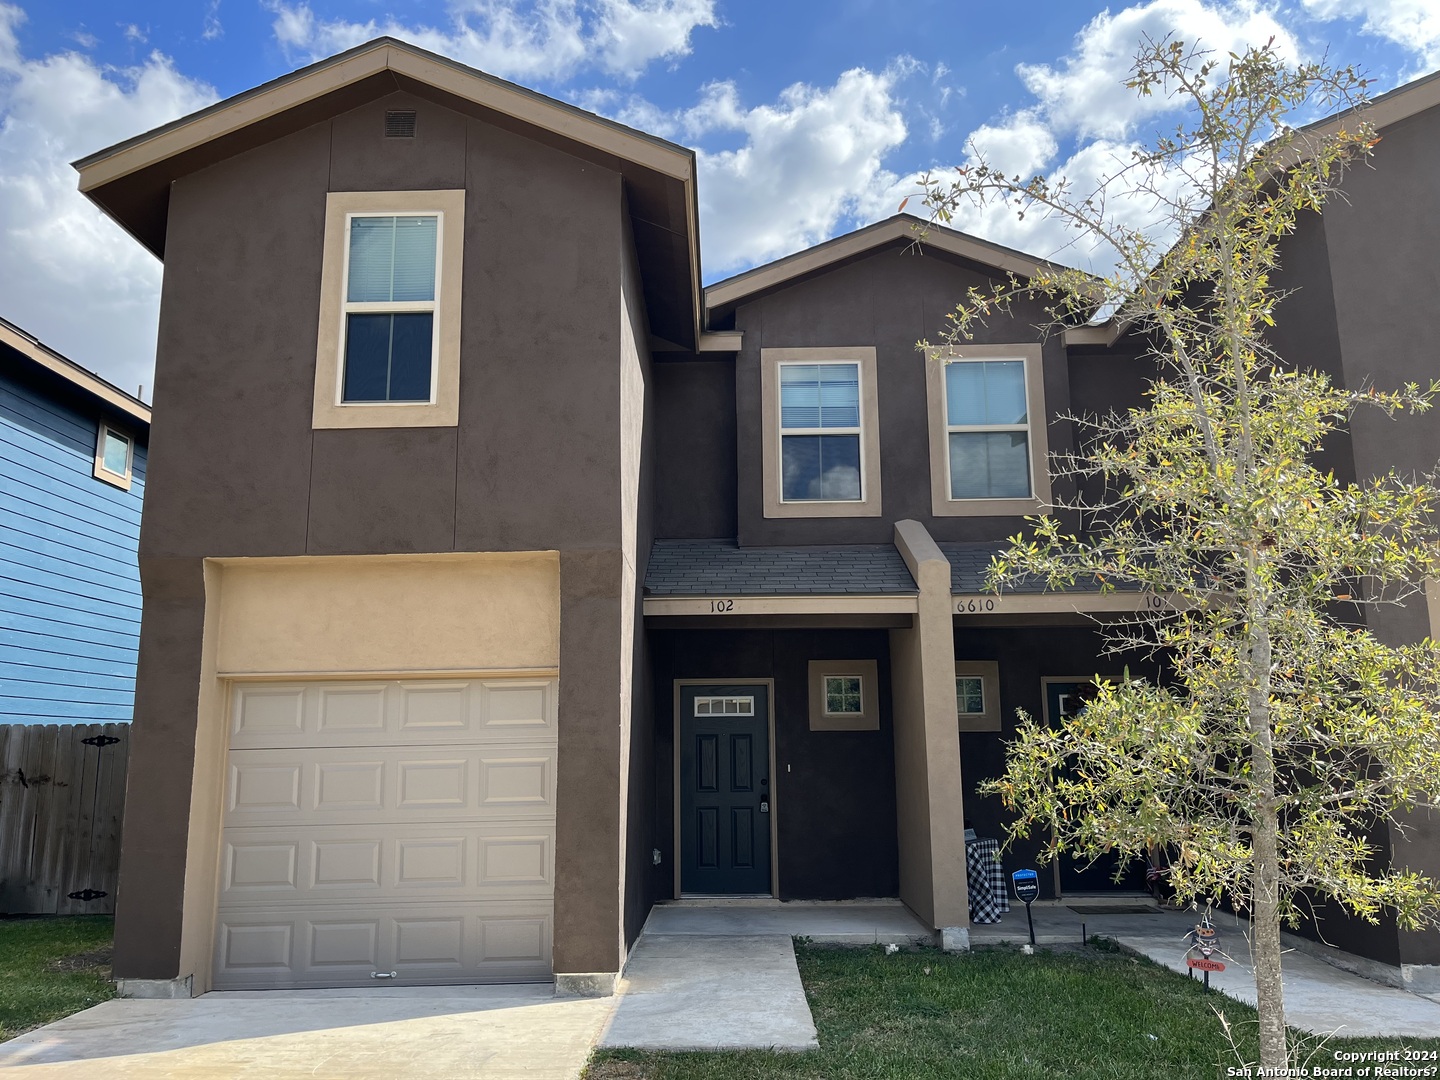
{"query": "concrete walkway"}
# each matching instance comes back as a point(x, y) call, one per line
point(385, 1033)
point(721, 974)
point(708, 992)
point(1319, 997)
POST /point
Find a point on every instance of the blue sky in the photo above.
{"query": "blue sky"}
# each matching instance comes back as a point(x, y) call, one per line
point(810, 118)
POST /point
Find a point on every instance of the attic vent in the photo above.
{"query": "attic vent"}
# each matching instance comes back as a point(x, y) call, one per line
point(400, 124)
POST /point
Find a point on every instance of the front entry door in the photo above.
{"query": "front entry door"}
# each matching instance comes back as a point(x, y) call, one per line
point(724, 790)
point(1079, 876)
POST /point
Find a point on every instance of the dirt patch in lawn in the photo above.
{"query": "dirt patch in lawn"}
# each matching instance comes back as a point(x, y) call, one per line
point(93, 961)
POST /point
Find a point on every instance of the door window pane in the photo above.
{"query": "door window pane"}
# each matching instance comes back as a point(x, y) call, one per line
point(392, 259)
point(979, 392)
point(820, 468)
point(989, 465)
point(388, 357)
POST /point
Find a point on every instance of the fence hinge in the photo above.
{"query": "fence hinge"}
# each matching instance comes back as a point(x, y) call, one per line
point(100, 740)
point(87, 894)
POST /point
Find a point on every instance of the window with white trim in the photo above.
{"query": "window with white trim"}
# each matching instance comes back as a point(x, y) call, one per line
point(977, 695)
point(114, 456)
point(970, 695)
point(989, 440)
point(844, 695)
point(392, 268)
point(820, 433)
point(987, 429)
point(388, 342)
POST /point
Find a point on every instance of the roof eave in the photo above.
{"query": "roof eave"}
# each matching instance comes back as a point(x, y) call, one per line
point(48, 359)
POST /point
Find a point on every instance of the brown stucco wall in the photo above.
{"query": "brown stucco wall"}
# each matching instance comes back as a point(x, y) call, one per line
point(1382, 243)
point(890, 300)
point(695, 448)
point(236, 469)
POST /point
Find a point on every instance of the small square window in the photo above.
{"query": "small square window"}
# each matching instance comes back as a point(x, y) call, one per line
point(843, 696)
point(970, 695)
point(114, 456)
point(977, 695)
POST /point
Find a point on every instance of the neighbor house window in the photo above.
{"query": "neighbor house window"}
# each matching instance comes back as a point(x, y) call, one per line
point(389, 320)
point(114, 456)
point(977, 695)
point(987, 420)
point(821, 452)
point(844, 695)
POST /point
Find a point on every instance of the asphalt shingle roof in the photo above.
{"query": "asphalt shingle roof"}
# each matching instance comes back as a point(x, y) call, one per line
point(708, 567)
point(970, 562)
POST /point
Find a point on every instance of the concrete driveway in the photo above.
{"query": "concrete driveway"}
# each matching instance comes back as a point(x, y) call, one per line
point(388, 1033)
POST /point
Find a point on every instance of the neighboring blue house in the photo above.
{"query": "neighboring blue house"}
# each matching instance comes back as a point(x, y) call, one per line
point(72, 475)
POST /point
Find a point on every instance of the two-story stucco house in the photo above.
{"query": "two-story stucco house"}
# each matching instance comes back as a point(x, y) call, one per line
point(500, 581)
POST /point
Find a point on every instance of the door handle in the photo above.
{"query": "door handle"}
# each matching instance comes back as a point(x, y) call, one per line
point(383, 975)
point(764, 806)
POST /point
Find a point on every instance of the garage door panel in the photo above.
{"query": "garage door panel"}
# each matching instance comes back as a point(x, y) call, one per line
point(408, 863)
point(391, 712)
point(388, 825)
point(422, 944)
point(320, 785)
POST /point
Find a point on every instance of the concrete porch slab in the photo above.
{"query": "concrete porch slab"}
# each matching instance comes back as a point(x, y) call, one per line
point(385, 1033)
point(840, 922)
point(1319, 997)
point(711, 992)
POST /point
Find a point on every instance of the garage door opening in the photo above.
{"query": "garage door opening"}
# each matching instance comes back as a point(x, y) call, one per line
point(387, 831)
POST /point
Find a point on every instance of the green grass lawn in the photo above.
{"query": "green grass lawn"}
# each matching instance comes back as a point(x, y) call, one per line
point(992, 1014)
point(52, 967)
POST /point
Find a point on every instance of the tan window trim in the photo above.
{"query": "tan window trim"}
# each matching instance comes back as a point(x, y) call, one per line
point(774, 505)
point(868, 718)
point(444, 408)
point(941, 504)
point(100, 472)
point(988, 671)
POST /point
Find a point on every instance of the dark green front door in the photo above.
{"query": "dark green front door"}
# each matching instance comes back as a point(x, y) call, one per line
point(1078, 876)
point(724, 790)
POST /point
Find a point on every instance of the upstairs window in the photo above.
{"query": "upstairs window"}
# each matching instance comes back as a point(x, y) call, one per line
point(391, 270)
point(821, 452)
point(389, 339)
point(987, 427)
point(988, 440)
point(820, 432)
point(114, 456)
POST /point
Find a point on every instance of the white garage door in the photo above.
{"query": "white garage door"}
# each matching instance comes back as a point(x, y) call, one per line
point(387, 826)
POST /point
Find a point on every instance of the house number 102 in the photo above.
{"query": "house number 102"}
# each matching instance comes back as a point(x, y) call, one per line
point(721, 605)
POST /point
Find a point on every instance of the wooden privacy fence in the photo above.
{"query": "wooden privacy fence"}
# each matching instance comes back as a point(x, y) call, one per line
point(62, 789)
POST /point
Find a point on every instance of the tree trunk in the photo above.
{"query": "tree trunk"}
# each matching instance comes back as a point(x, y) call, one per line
point(1265, 848)
point(1269, 984)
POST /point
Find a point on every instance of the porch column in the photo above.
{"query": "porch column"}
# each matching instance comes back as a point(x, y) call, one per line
point(928, 794)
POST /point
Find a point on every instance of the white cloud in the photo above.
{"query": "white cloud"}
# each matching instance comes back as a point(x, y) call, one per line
point(805, 164)
point(1085, 92)
point(71, 276)
point(550, 40)
point(1412, 24)
point(213, 28)
point(135, 34)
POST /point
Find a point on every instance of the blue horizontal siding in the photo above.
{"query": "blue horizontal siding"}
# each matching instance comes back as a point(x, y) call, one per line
point(69, 583)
